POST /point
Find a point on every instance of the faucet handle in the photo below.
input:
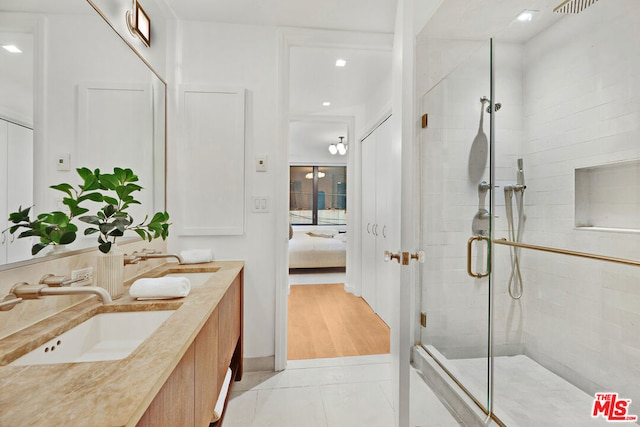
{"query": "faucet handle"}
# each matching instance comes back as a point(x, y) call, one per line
point(53, 280)
point(132, 259)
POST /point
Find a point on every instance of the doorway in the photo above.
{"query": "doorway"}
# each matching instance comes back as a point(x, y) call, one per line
point(319, 92)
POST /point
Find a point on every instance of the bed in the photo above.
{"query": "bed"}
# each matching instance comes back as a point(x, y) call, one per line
point(317, 248)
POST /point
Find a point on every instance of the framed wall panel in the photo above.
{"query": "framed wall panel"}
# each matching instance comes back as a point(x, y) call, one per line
point(211, 161)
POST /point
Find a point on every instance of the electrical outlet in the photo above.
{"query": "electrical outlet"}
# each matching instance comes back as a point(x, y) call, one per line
point(86, 274)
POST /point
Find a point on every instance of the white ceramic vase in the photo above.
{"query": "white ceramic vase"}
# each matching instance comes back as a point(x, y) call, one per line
point(110, 274)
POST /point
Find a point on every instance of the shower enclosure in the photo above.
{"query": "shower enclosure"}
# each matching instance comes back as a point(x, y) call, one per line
point(530, 220)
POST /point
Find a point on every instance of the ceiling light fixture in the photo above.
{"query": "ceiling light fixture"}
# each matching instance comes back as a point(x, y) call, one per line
point(341, 63)
point(326, 104)
point(339, 148)
point(11, 48)
point(526, 15)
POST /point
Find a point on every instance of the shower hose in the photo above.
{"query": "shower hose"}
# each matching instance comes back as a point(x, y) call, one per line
point(515, 286)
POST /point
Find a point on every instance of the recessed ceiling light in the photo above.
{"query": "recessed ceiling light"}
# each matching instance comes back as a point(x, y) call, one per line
point(11, 48)
point(526, 15)
point(341, 63)
point(326, 103)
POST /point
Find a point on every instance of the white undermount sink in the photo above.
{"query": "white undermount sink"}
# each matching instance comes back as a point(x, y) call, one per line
point(105, 336)
point(196, 278)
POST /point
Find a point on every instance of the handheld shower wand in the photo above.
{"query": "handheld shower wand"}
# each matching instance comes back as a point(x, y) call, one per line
point(515, 286)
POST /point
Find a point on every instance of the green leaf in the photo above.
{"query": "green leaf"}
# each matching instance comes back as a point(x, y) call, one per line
point(91, 219)
point(109, 210)
point(96, 197)
point(110, 200)
point(28, 233)
point(105, 247)
point(67, 238)
point(88, 231)
point(110, 182)
point(64, 187)
point(37, 248)
point(120, 174)
point(142, 233)
point(116, 233)
point(106, 228)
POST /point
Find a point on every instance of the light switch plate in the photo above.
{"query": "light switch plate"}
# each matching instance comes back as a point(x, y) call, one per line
point(63, 162)
point(261, 163)
point(260, 204)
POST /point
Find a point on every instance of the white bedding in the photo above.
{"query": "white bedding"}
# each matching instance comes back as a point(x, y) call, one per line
point(307, 251)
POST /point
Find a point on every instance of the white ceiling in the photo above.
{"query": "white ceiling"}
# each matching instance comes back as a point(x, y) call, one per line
point(358, 15)
point(314, 78)
point(483, 19)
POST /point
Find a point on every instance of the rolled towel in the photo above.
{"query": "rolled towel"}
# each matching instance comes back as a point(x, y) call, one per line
point(217, 410)
point(196, 256)
point(160, 288)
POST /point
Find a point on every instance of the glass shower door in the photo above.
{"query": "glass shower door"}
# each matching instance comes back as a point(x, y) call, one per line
point(455, 223)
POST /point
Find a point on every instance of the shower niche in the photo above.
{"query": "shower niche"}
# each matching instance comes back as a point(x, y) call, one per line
point(607, 197)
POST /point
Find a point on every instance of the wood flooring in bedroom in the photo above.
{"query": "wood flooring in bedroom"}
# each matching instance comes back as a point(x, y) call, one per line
point(326, 321)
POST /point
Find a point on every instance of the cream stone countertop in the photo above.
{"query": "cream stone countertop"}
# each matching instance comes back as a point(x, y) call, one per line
point(110, 393)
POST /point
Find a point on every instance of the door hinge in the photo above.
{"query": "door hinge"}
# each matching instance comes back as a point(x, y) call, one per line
point(423, 319)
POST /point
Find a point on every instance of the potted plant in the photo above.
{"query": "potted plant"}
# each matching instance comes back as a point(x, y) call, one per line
point(113, 194)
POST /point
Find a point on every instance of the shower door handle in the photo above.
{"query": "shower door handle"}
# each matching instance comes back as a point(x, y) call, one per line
point(469, 250)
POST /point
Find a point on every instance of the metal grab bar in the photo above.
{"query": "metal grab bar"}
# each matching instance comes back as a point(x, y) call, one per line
point(469, 245)
point(506, 242)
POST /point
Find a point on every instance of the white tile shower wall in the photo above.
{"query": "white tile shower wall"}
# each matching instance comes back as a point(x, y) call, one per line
point(456, 304)
point(581, 94)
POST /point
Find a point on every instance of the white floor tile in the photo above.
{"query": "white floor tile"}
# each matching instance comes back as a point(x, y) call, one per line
point(241, 409)
point(348, 391)
point(353, 405)
point(290, 407)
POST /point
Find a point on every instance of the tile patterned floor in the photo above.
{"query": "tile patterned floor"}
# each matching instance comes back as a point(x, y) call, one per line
point(528, 395)
point(349, 392)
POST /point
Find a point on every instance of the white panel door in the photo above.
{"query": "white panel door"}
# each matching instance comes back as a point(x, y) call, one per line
point(369, 178)
point(19, 183)
point(388, 221)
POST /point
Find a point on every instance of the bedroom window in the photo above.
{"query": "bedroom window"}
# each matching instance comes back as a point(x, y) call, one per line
point(317, 195)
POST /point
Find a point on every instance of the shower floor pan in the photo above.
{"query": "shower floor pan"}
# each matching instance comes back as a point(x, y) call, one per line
point(525, 393)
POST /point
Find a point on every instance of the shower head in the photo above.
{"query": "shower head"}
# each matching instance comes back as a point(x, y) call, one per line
point(573, 6)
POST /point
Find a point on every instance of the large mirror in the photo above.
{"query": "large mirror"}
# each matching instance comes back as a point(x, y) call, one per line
point(74, 95)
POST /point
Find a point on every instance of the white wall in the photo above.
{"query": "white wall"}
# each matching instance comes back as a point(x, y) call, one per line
point(581, 96)
point(239, 56)
point(159, 54)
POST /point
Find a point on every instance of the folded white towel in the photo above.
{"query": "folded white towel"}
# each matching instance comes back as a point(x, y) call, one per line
point(217, 410)
point(160, 288)
point(196, 256)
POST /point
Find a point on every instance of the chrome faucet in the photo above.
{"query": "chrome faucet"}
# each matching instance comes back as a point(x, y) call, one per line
point(150, 254)
point(26, 291)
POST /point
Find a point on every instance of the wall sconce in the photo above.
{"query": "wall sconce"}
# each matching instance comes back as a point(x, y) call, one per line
point(339, 148)
point(139, 23)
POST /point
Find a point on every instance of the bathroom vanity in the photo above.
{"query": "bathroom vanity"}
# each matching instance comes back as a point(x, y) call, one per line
point(173, 378)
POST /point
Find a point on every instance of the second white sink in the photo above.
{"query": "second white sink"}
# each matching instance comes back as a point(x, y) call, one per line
point(105, 336)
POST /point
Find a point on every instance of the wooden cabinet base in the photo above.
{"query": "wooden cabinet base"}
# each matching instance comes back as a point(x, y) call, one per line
point(189, 395)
